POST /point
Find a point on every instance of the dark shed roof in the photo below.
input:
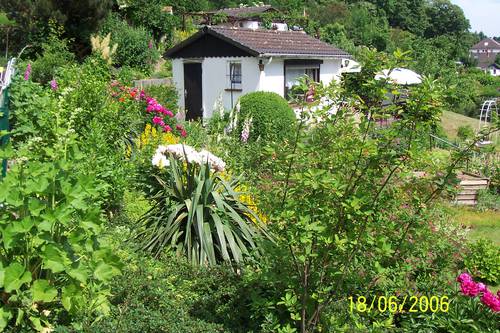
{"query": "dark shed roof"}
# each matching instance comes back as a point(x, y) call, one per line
point(262, 42)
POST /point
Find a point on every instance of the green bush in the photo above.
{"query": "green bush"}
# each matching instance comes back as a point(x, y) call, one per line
point(54, 265)
point(488, 200)
point(465, 132)
point(55, 55)
point(166, 95)
point(272, 118)
point(483, 261)
point(170, 295)
point(134, 47)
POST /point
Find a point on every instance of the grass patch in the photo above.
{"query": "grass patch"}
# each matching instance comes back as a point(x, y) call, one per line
point(483, 224)
point(451, 121)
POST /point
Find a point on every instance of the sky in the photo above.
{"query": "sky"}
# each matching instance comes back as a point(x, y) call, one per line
point(484, 15)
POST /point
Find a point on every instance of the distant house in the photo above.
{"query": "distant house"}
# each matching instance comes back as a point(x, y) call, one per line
point(485, 52)
point(494, 69)
point(221, 63)
point(244, 17)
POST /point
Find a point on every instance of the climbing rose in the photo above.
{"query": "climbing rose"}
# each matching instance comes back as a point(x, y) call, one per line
point(27, 72)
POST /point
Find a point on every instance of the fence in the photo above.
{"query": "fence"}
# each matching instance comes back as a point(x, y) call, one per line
point(141, 84)
point(5, 80)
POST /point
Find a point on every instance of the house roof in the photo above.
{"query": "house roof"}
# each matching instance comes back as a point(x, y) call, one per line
point(241, 12)
point(487, 44)
point(262, 42)
point(484, 59)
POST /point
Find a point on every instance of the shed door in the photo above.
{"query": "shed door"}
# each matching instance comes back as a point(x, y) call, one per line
point(193, 91)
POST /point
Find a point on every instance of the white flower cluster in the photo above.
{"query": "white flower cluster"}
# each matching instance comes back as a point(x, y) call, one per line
point(184, 152)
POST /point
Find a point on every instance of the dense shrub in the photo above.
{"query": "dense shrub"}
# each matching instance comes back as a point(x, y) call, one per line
point(170, 295)
point(55, 55)
point(465, 132)
point(272, 118)
point(135, 48)
point(166, 95)
point(483, 261)
point(488, 200)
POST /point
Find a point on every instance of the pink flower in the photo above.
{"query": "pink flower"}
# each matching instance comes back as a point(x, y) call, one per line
point(179, 127)
point(150, 44)
point(157, 120)
point(150, 108)
point(470, 288)
point(464, 277)
point(53, 84)
point(491, 301)
point(27, 72)
point(142, 95)
point(167, 128)
point(169, 113)
point(183, 133)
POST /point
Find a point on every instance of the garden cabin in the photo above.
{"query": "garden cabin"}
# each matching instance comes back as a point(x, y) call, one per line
point(217, 65)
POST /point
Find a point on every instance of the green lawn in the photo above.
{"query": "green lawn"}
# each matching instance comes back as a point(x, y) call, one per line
point(451, 121)
point(483, 224)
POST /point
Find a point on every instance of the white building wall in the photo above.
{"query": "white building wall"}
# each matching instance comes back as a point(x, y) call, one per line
point(329, 70)
point(215, 73)
point(215, 83)
point(272, 78)
point(178, 78)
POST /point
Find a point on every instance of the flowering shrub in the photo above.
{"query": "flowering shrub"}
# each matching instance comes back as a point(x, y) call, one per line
point(195, 211)
point(473, 289)
point(156, 114)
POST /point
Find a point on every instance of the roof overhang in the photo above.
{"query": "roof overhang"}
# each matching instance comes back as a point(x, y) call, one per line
point(207, 31)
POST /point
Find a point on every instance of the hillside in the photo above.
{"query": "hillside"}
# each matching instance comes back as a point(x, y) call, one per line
point(451, 121)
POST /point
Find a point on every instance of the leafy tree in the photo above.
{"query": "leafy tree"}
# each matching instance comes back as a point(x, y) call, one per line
point(79, 19)
point(368, 26)
point(497, 59)
point(445, 18)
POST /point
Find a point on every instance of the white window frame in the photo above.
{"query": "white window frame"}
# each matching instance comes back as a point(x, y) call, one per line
point(232, 79)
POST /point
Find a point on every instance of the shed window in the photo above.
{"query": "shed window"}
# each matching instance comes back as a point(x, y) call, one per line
point(295, 69)
point(234, 75)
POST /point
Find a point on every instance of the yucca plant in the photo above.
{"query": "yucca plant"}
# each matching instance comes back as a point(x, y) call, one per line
point(199, 214)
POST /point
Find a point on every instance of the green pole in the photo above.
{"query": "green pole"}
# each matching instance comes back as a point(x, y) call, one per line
point(4, 124)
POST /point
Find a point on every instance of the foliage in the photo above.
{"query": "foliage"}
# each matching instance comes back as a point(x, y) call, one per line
point(54, 267)
point(135, 47)
point(55, 55)
point(79, 18)
point(464, 315)
point(152, 16)
point(347, 208)
point(166, 95)
point(488, 200)
point(170, 295)
point(482, 261)
point(272, 118)
point(465, 132)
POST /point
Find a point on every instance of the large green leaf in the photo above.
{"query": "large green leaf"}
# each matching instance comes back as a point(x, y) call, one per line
point(5, 316)
point(54, 259)
point(43, 291)
point(104, 272)
point(15, 276)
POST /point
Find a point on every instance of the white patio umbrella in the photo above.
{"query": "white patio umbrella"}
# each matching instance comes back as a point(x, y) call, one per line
point(402, 76)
